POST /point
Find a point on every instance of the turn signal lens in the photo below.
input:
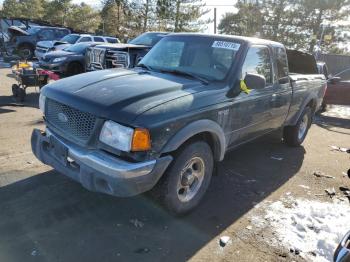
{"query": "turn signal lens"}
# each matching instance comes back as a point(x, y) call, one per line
point(141, 140)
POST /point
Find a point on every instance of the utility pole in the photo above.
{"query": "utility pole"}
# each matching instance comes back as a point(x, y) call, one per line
point(214, 20)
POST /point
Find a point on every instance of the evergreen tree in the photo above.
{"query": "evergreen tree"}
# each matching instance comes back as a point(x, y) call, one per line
point(11, 8)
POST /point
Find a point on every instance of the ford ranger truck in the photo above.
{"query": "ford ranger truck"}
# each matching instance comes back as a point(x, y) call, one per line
point(164, 124)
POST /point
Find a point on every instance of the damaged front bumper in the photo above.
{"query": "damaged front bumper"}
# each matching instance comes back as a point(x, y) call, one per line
point(96, 170)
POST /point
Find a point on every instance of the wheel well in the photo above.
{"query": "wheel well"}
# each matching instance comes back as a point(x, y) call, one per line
point(26, 45)
point(312, 105)
point(71, 64)
point(207, 137)
point(75, 63)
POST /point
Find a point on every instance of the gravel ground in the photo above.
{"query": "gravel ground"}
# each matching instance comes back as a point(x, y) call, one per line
point(44, 216)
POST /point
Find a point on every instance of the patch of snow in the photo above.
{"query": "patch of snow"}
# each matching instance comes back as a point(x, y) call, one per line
point(312, 227)
point(338, 111)
point(305, 187)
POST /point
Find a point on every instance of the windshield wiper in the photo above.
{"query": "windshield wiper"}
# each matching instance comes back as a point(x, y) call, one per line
point(179, 72)
point(145, 66)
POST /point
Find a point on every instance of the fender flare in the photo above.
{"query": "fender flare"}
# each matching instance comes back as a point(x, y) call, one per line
point(29, 44)
point(295, 118)
point(196, 128)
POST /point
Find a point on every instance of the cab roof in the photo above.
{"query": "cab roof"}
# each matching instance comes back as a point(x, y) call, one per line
point(251, 40)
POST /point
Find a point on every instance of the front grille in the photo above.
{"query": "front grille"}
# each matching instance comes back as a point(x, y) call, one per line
point(70, 122)
point(117, 59)
point(96, 58)
point(41, 49)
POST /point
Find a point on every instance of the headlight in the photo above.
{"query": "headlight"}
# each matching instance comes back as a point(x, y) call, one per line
point(59, 59)
point(42, 100)
point(116, 136)
point(125, 138)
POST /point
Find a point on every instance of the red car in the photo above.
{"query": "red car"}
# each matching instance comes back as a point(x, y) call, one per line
point(338, 90)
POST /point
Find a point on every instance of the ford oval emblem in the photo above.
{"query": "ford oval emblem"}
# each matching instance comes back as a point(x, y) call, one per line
point(62, 117)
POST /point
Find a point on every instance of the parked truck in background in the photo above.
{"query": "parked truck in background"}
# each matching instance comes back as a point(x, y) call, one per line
point(163, 125)
point(121, 55)
point(23, 42)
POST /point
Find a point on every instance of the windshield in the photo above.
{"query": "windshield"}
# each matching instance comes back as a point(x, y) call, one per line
point(33, 30)
point(149, 39)
point(70, 39)
point(209, 58)
point(77, 48)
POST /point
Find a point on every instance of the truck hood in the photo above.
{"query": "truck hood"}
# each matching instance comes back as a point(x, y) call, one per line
point(119, 94)
point(50, 44)
point(16, 31)
point(122, 46)
point(56, 54)
point(45, 44)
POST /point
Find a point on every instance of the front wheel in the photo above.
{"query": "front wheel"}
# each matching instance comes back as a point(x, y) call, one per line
point(26, 52)
point(187, 179)
point(15, 89)
point(74, 69)
point(295, 135)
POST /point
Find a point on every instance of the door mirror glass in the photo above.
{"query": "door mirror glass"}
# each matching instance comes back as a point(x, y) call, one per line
point(255, 81)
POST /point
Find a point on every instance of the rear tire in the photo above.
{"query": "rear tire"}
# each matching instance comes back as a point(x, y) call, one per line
point(187, 179)
point(295, 135)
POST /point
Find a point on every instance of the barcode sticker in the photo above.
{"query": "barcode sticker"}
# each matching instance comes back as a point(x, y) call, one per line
point(226, 45)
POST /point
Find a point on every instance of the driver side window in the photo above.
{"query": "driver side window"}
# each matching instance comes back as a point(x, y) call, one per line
point(258, 61)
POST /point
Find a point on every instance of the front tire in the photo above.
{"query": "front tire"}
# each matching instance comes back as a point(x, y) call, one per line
point(295, 135)
point(187, 179)
point(26, 52)
point(74, 69)
point(21, 95)
point(15, 89)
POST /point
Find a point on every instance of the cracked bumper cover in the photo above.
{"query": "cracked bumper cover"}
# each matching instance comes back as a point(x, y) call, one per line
point(98, 171)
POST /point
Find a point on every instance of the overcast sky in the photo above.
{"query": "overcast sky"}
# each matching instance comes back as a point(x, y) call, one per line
point(222, 7)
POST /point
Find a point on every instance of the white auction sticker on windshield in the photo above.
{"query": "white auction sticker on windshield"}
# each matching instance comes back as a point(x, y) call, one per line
point(226, 45)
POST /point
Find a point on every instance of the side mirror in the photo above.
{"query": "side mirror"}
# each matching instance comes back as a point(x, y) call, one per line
point(255, 81)
point(335, 80)
point(342, 253)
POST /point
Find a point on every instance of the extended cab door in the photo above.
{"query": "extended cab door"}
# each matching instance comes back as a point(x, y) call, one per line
point(252, 112)
point(282, 90)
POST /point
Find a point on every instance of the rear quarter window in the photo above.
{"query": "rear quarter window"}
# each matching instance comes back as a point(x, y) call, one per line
point(282, 65)
point(112, 40)
point(85, 39)
point(98, 39)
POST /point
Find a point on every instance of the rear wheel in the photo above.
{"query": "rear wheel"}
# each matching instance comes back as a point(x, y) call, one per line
point(295, 135)
point(187, 179)
point(74, 69)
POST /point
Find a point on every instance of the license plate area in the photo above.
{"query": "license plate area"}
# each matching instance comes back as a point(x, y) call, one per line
point(58, 150)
